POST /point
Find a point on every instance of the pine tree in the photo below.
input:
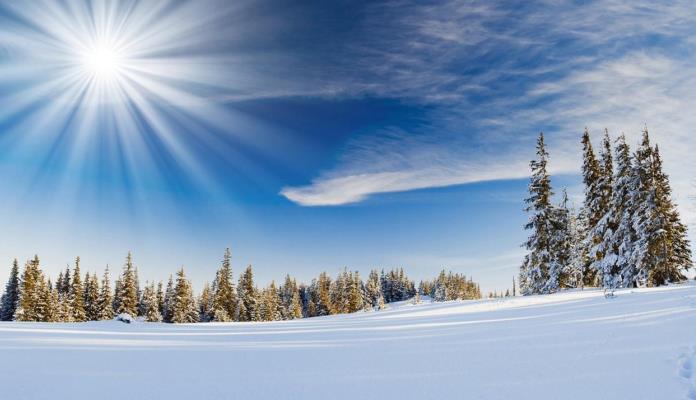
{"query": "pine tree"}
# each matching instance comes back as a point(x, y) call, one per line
point(673, 253)
point(10, 298)
point(167, 314)
point(374, 290)
point(248, 297)
point(647, 222)
point(105, 301)
point(601, 252)
point(594, 207)
point(205, 301)
point(561, 242)
point(77, 295)
point(534, 272)
point(91, 297)
point(269, 309)
point(224, 301)
point(183, 305)
point(160, 298)
point(355, 294)
point(29, 292)
point(151, 310)
point(617, 268)
point(127, 293)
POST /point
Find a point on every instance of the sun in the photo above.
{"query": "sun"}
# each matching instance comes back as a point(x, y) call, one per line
point(102, 61)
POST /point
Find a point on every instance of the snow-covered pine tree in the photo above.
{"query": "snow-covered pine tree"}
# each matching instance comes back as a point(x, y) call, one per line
point(578, 252)
point(77, 293)
point(205, 302)
point(29, 292)
point(601, 253)
point(269, 307)
point(127, 293)
point(91, 297)
point(167, 308)
point(440, 288)
point(594, 205)
point(183, 305)
point(534, 272)
point(160, 298)
point(105, 301)
point(617, 267)
point(65, 285)
point(45, 308)
point(355, 296)
point(224, 297)
point(647, 223)
point(561, 247)
point(672, 250)
point(10, 298)
point(374, 289)
point(248, 297)
point(151, 310)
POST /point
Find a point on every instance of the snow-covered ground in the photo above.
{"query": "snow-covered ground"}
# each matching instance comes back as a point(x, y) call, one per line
point(574, 345)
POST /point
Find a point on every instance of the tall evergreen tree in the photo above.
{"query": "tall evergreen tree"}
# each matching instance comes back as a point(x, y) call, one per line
point(91, 297)
point(534, 272)
point(673, 253)
point(224, 298)
point(77, 294)
point(29, 292)
point(168, 309)
point(105, 301)
point(151, 310)
point(594, 207)
point(205, 302)
point(617, 268)
point(127, 293)
point(248, 297)
point(183, 305)
point(10, 298)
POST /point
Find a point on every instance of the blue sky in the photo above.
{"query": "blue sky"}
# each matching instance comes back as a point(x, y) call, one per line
point(313, 136)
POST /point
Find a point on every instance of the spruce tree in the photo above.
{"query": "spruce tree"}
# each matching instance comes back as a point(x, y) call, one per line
point(534, 273)
point(91, 297)
point(603, 230)
point(248, 297)
point(183, 305)
point(167, 313)
point(594, 206)
point(673, 253)
point(224, 298)
point(10, 298)
point(105, 301)
point(127, 296)
point(151, 310)
point(76, 294)
point(205, 302)
point(647, 222)
point(618, 269)
point(29, 292)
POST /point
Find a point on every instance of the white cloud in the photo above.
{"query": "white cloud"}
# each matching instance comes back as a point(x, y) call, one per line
point(615, 78)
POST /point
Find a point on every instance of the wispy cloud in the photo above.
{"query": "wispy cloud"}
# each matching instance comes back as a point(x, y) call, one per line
point(496, 75)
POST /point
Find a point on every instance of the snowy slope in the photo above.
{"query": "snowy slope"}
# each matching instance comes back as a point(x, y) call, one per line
point(574, 345)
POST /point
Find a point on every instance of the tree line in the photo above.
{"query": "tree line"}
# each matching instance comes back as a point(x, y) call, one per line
point(73, 297)
point(627, 233)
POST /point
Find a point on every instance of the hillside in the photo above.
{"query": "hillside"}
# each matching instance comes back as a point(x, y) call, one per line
point(574, 345)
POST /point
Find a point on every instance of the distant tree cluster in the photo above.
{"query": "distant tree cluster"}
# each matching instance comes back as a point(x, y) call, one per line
point(31, 296)
point(628, 232)
point(450, 286)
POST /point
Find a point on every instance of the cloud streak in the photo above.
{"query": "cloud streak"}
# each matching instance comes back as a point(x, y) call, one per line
point(494, 76)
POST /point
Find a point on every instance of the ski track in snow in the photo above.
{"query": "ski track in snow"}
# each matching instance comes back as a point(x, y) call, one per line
point(571, 345)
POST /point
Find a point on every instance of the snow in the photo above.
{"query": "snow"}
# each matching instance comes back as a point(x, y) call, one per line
point(573, 345)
